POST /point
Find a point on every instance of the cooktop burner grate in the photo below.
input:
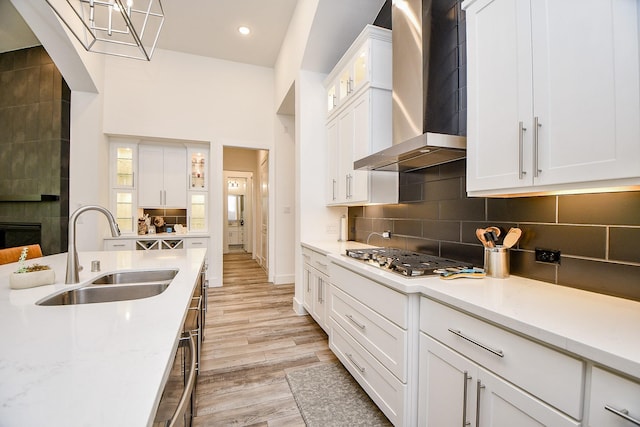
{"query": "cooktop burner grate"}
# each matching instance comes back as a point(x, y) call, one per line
point(407, 263)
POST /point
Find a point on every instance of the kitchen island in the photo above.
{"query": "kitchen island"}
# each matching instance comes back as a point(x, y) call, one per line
point(101, 364)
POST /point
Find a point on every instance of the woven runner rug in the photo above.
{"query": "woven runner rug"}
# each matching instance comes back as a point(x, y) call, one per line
point(327, 395)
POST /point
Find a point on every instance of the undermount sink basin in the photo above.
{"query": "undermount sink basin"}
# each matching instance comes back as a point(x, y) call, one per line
point(139, 276)
point(90, 294)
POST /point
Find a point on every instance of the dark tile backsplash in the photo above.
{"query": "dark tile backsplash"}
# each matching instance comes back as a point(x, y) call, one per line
point(597, 234)
point(35, 105)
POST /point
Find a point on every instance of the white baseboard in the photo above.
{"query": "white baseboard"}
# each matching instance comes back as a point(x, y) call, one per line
point(298, 307)
point(284, 279)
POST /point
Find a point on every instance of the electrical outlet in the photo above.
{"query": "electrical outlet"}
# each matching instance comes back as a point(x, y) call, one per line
point(550, 256)
point(386, 234)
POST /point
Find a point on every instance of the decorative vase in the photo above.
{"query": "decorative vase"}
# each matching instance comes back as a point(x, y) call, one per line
point(32, 279)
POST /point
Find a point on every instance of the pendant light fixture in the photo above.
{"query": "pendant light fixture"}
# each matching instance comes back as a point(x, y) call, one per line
point(126, 28)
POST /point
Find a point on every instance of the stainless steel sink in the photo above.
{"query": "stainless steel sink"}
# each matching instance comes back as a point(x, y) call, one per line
point(140, 276)
point(91, 294)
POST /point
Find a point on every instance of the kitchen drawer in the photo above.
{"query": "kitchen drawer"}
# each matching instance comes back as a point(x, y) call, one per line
point(316, 260)
point(386, 341)
point(381, 386)
point(196, 242)
point(616, 393)
point(389, 303)
point(119, 245)
point(554, 377)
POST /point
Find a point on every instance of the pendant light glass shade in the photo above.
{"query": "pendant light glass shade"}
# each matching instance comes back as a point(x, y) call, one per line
point(127, 28)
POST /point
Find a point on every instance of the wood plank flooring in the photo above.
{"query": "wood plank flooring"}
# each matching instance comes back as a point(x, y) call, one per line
point(252, 338)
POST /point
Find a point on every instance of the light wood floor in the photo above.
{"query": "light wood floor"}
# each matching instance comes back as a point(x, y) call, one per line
point(252, 338)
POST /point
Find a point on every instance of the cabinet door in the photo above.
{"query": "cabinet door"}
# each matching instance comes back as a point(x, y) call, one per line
point(614, 400)
point(307, 281)
point(197, 211)
point(319, 307)
point(586, 90)
point(361, 143)
point(499, 94)
point(500, 404)
point(332, 161)
point(345, 155)
point(175, 177)
point(124, 210)
point(124, 164)
point(446, 380)
point(198, 164)
point(151, 173)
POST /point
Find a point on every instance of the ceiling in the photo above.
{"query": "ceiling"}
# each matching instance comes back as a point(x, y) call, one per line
point(200, 27)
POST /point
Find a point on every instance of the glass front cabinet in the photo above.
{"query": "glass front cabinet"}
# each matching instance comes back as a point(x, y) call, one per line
point(123, 167)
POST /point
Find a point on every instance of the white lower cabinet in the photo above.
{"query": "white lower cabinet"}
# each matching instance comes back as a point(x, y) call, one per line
point(147, 243)
point(119, 245)
point(455, 391)
point(614, 400)
point(369, 332)
point(508, 380)
point(316, 285)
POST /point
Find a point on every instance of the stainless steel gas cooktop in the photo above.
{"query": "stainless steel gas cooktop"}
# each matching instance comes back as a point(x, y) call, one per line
point(407, 263)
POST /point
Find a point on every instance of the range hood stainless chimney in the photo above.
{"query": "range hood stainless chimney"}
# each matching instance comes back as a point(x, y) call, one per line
point(429, 107)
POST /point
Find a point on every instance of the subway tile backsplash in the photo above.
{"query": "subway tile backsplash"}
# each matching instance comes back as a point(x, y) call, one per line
point(598, 234)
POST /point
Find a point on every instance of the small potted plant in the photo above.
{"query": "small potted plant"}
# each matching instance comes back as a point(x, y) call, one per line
point(32, 275)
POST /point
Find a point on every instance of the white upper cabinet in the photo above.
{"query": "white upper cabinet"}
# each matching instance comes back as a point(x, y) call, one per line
point(367, 63)
point(123, 175)
point(163, 176)
point(198, 158)
point(553, 95)
point(359, 121)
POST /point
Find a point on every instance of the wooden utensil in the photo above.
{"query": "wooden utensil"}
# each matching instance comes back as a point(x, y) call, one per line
point(496, 230)
point(480, 235)
point(512, 237)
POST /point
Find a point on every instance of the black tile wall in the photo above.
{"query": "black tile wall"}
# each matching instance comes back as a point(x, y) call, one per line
point(35, 105)
point(597, 234)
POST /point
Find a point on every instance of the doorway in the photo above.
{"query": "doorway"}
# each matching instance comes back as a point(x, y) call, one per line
point(238, 221)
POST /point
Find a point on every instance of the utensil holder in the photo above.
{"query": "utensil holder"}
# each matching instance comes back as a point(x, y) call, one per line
point(496, 262)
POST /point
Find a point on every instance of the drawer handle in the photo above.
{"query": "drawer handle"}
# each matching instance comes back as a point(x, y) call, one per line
point(321, 264)
point(479, 344)
point(355, 322)
point(196, 243)
point(360, 368)
point(306, 256)
point(121, 245)
point(622, 413)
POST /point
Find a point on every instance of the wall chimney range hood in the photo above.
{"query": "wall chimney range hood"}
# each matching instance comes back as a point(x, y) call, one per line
point(429, 87)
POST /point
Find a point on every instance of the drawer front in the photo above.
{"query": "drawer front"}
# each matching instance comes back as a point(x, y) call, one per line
point(614, 400)
point(194, 243)
point(386, 341)
point(554, 377)
point(118, 245)
point(316, 260)
point(385, 301)
point(381, 386)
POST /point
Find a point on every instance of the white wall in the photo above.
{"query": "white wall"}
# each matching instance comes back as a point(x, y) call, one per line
point(285, 199)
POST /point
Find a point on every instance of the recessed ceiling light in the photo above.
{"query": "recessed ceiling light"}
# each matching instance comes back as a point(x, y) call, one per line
point(244, 30)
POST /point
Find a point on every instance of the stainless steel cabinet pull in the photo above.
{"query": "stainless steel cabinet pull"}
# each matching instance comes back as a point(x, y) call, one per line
point(465, 423)
point(321, 264)
point(355, 322)
point(320, 286)
point(479, 344)
point(306, 256)
point(196, 243)
point(160, 197)
point(308, 281)
point(121, 245)
point(536, 134)
point(623, 413)
point(479, 387)
point(186, 395)
point(360, 368)
point(333, 189)
point(521, 130)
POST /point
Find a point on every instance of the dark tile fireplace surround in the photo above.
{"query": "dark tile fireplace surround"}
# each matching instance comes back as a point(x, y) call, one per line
point(598, 234)
point(35, 107)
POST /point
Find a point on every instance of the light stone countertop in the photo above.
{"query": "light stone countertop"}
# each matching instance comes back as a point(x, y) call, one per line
point(91, 364)
point(600, 328)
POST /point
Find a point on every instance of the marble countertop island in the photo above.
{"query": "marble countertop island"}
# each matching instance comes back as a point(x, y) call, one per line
point(101, 364)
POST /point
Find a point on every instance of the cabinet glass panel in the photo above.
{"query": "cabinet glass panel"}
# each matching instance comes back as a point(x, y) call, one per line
point(124, 211)
point(331, 98)
point(360, 69)
point(198, 167)
point(344, 84)
point(124, 167)
point(198, 212)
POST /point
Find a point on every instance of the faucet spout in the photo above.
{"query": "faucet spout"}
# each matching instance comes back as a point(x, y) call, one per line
point(73, 266)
